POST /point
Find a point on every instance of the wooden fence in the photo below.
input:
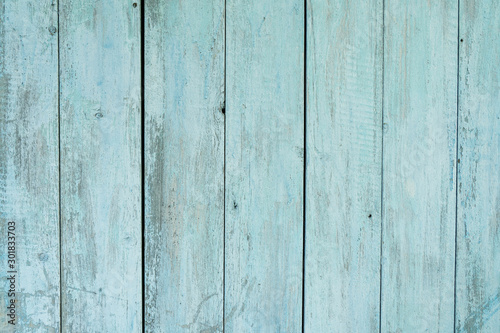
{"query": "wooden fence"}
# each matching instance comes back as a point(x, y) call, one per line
point(250, 166)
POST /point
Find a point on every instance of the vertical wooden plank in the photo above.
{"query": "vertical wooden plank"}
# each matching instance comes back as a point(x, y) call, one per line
point(420, 113)
point(184, 161)
point(100, 165)
point(29, 171)
point(264, 165)
point(344, 166)
point(478, 211)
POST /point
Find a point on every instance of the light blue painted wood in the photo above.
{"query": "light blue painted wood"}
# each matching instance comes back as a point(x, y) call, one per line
point(419, 154)
point(264, 165)
point(100, 165)
point(355, 152)
point(184, 161)
point(478, 247)
point(344, 165)
point(29, 177)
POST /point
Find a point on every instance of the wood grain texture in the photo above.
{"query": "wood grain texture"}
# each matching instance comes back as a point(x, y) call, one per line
point(398, 94)
point(420, 113)
point(29, 176)
point(478, 224)
point(264, 165)
point(344, 165)
point(100, 165)
point(184, 156)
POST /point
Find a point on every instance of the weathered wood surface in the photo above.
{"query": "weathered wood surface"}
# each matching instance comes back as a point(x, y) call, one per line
point(478, 228)
point(419, 160)
point(264, 165)
point(184, 161)
point(344, 166)
point(100, 94)
point(397, 94)
point(29, 177)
